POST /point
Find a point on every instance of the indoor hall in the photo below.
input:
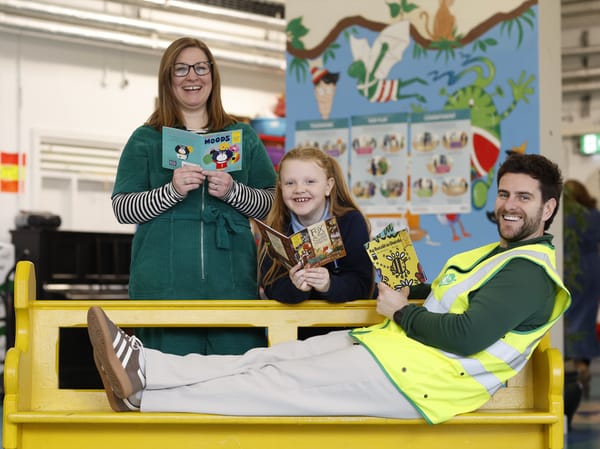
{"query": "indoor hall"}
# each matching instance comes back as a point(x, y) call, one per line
point(50, 58)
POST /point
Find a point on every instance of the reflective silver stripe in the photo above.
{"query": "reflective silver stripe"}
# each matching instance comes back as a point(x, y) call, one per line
point(500, 349)
point(510, 355)
point(433, 305)
point(474, 368)
point(489, 265)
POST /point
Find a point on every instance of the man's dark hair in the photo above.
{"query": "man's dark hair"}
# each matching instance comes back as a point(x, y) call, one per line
point(540, 168)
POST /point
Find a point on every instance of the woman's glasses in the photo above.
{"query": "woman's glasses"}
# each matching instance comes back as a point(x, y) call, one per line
point(182, 69)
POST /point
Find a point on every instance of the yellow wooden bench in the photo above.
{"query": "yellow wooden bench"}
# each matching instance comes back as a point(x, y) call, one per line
point(528, 413)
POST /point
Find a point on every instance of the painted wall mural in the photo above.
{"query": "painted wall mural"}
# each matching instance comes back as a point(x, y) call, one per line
point(413, 59)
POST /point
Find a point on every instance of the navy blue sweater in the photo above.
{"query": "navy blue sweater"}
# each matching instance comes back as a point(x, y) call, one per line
point(351, 276)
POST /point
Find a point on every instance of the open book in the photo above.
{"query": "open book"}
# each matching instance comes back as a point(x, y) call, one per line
point(316, 245)
point(213, 151)
point(395, 259)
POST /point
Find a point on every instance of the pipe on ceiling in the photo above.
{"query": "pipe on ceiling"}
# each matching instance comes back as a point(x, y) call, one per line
point(119, 40)
point(37, 19)
point(212, 12)
point(92, 19)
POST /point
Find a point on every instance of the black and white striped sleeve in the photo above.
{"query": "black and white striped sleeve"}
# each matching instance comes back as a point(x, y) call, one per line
point(250, 201)
point(140, 207)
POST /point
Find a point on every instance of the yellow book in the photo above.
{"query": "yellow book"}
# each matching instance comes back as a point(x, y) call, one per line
point(395, 259)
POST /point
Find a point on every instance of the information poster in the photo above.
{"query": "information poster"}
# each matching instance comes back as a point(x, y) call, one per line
point(379, 162)
point(330, 136)
point(440, 146)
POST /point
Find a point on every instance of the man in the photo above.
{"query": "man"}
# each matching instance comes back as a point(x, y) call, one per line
point(484, 314)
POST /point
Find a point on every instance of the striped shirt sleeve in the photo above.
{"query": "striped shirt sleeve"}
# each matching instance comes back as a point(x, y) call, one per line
point(250, 201)
point(140, 207)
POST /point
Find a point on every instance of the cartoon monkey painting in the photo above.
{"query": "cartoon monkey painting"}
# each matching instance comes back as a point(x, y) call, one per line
point(443, 22)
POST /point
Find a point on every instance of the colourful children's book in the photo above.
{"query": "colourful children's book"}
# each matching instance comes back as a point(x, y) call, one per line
point(214, 151)
point(316, 245)
point(395, 259)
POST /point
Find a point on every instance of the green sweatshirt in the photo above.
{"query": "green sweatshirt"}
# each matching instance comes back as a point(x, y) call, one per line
point(524, 289)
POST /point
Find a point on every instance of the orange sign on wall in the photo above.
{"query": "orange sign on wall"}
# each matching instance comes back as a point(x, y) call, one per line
point(11, 171)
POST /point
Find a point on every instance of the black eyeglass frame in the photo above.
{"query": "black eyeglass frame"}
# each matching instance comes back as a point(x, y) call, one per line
point(201, 64)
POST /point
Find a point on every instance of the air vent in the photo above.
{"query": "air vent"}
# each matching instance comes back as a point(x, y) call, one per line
point(84, 159)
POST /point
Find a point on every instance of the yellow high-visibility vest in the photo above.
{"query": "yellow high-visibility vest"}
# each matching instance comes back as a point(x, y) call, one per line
point(441, 384)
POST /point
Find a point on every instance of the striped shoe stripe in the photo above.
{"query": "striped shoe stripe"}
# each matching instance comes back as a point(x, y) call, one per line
point(122, 349)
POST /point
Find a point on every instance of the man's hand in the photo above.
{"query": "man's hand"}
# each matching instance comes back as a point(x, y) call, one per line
point(390, 301)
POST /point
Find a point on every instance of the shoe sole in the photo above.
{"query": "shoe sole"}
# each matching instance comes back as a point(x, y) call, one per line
point(114, 402)
point(105, 356)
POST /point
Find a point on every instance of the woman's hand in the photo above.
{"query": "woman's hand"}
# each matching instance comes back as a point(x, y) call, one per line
point(188, 177)
point(219, 183)
point(390, 301)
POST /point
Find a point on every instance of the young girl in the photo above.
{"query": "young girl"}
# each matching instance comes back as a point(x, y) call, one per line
point(311, 188)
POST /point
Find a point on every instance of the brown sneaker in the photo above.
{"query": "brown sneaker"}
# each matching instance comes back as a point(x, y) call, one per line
point(116, 403)
point(116, 353)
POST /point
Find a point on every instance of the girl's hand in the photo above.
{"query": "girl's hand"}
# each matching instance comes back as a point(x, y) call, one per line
point(219, 183)
point(298, 278)
point(318, 278)
point(390, 301)
point(187, 177)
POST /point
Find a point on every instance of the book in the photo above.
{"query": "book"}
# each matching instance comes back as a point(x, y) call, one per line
point(315, 245)
point(213, 151)
point(395, 259)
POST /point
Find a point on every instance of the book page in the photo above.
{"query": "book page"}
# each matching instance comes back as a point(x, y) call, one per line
point(320, 243)
point(280, 246)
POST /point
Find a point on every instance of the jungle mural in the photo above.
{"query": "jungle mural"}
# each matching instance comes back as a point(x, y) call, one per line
point(419, 56)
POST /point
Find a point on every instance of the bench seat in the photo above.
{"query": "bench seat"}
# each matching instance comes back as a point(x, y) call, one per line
point(528, 413)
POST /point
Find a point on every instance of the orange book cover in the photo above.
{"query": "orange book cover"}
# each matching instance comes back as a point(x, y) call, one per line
point(315, 245)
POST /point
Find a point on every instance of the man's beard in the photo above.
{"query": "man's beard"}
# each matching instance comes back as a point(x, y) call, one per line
point(529, 227)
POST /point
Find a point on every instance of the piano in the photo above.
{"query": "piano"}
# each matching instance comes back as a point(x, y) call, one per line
point(74, 265)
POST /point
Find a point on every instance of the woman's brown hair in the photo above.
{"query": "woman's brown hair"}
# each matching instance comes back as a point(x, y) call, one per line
point(167, 110)
point(580, 193)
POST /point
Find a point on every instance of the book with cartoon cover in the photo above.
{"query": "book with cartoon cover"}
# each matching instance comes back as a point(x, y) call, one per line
point(213, 151)
point(395, 259)
point(315, 245)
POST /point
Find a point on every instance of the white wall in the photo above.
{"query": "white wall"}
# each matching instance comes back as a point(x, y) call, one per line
point(50, 87)
point(579, 116)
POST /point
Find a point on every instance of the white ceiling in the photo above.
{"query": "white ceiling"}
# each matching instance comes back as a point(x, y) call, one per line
point(252, 40)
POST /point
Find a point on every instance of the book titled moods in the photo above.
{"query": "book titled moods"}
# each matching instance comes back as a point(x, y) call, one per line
point(213, 151)
point(395, 259)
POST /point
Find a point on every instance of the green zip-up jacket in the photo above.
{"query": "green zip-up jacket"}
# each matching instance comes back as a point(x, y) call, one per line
point(201, 248)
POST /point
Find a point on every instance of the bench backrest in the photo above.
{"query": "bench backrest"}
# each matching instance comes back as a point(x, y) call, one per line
point(38, 323)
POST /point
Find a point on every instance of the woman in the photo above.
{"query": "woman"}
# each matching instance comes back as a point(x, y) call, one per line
point(193, 239)
point(582, 277)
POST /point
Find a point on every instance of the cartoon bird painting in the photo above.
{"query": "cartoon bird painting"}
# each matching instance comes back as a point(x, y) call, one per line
point(372, 64)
